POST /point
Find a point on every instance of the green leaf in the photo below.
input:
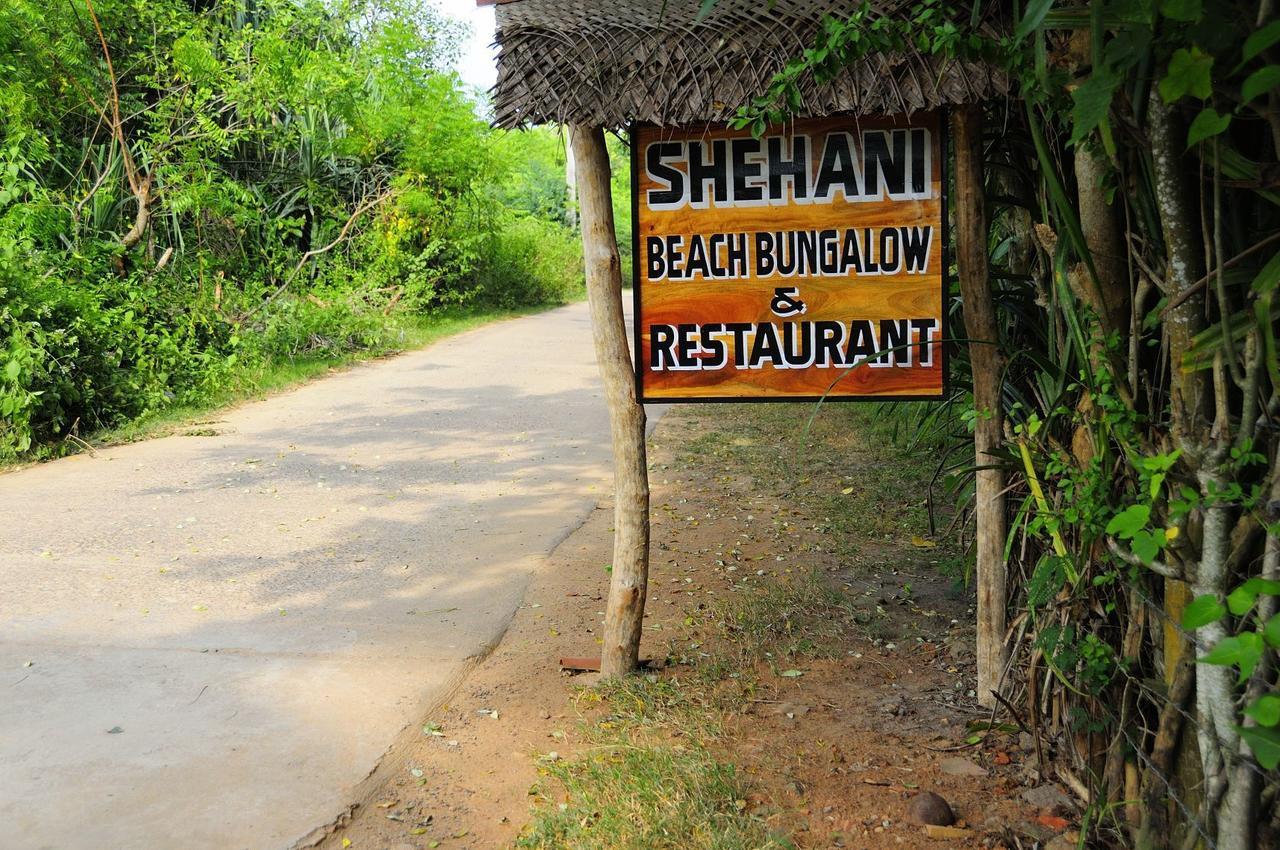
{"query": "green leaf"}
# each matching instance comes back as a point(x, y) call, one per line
point(1265, 744)
point(1270, 349)
point(12, 370)
point(1271, 631)
point(1202, 611)
point(1160, 463)
point(1241, 651)
point(1034, 16)
point(792, 674)
point(1182, 10)
point(1266, 710)
point(1209, 341)
point(1189, 73)
point(194, 58)
point(1207, 125)
point(1046, 581)
point(1268, 278)
point(1092, 103)
point(1260, 82)
point(704, 9)
point(1241, 599)
point(1146, 545)
point(1061, 201)
point(1261, 40)
point(1129, 521)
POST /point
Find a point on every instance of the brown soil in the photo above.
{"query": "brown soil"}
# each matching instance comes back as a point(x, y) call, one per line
point(834, 754)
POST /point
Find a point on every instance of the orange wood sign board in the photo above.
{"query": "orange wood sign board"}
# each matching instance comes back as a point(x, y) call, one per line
point(808, 263)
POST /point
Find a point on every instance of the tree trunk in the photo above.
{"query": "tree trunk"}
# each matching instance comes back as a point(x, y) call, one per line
point(624, 615)
point(1188, 401)
point(1204, 448)
point(1110, 299)
point(1242, 802)
point(142, 218)
point(984, 355)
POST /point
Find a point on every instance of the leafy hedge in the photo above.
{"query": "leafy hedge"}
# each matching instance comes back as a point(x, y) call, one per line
point(306, 174)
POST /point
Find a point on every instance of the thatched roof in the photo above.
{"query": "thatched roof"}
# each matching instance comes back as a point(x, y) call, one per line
point(608, 62)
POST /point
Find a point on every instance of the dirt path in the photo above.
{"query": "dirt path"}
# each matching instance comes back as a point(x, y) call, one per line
point(836, 726)
point(209, 640)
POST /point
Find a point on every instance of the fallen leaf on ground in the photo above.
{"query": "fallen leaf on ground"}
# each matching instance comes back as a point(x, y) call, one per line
point(961, 767)
point(1053, 822)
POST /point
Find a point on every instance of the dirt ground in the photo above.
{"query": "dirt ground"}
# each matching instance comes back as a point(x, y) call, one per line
point(834, 751)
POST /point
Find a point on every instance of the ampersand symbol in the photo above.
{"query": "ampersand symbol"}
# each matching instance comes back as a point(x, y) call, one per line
point(786, 303)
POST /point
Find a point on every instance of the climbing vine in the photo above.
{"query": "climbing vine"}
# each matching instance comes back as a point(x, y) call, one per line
point(1135, 247)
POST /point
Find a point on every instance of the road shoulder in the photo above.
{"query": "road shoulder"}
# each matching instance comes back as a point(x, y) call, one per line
point(830, 718)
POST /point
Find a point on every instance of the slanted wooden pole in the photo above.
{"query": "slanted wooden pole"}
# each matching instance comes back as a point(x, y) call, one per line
point(987, 362)
point(624, 615)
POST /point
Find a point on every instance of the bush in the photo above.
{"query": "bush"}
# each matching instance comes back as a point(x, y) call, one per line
point(349, 179)
point(531, 261)
point(80, 355)
point(315, 327)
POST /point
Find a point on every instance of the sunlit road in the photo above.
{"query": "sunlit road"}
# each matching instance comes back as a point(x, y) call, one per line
point(207, 641)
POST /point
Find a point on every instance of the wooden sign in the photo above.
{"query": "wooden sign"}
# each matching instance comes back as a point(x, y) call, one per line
point(809, 263)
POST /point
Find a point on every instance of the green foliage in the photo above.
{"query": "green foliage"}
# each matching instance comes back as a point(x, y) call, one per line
point(644, 796)
point(534, 181)
point(1243, 651)
point(1112, 469)
point(926, 26)
point(1189, 73)
point(305, 172)
point(1207, 124)
point(1264, 741)
point(532, 261)
point(1202, 611)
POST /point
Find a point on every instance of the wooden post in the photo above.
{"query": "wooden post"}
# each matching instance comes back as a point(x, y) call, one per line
point(984, 355)
point(624, 615)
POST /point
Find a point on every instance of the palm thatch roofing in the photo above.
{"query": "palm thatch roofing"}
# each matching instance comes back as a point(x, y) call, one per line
point(608, 62)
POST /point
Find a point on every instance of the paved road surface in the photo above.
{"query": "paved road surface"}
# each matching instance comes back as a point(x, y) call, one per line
point(225, 632)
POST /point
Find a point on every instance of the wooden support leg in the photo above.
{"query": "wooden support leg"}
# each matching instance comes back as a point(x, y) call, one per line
point(624, 615)
point(987, 362)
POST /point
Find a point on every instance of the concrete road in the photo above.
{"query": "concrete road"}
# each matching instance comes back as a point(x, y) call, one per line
point(209, 641)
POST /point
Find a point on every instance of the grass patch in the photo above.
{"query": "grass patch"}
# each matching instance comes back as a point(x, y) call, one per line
point(648, 779)
point(405, 332)
point(650, 776)
point(648, 797)
point(858, 467)
point(783, 621)
point(654, 773)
